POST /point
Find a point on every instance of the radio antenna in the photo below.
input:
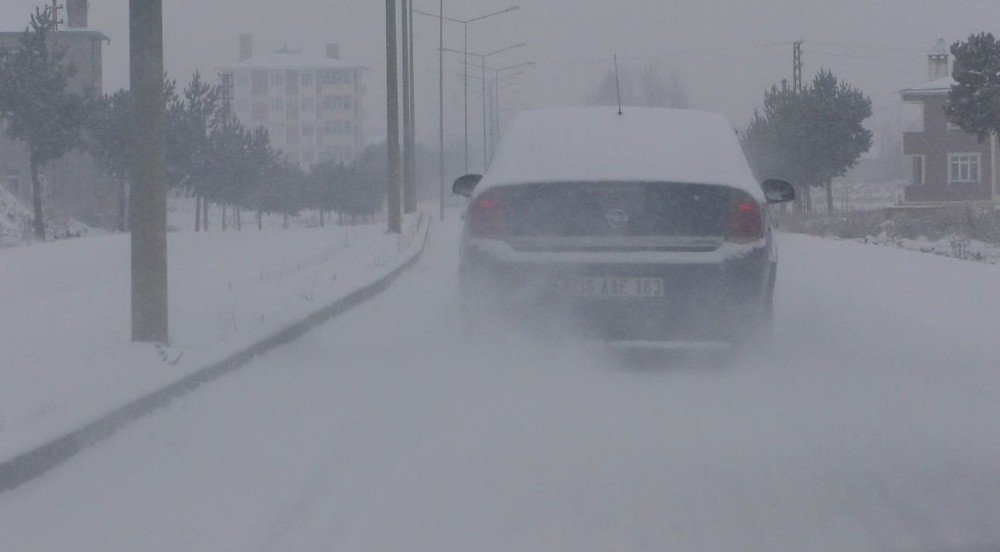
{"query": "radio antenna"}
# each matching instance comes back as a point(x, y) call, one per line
point(618, 85)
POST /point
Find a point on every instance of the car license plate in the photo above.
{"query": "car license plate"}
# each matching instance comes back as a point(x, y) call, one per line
point(613, 287)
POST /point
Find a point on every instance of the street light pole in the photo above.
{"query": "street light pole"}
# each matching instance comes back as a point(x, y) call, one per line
point(465, 24)
point(495, 121)
point(482, 65)
point(486, 161)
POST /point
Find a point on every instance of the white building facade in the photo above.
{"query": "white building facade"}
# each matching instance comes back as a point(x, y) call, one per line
point(312, 106)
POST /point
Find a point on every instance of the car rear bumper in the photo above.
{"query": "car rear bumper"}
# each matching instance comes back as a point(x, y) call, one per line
point(709, 297)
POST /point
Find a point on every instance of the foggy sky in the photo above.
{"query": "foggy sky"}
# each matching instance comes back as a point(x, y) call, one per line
point(726, 51)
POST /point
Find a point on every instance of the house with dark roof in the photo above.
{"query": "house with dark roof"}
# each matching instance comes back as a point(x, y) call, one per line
point(949, 164)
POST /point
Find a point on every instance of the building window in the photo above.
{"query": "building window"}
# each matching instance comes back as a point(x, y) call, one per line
point(331, 128)
point(306, 79)
point(338, 103)
point(963, 168)
point(333, 76)
point(277, 104)
point(278, 78)
point(918, 170)
point(308, 105)
point(258, 83)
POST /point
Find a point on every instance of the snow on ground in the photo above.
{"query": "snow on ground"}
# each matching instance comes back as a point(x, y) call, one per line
point(874, 426)
point(64, 322)
point(16, 223)
point(952, 246)
point(15, 220)
point(180, 216)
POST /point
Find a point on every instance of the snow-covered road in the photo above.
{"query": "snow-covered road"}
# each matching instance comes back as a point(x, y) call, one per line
point(875, 426)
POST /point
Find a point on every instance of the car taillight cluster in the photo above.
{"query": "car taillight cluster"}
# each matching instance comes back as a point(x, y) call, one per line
point(746, 221)
point(488, 216)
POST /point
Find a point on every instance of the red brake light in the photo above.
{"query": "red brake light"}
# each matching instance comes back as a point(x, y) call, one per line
point(488, 216)
point(746, 222)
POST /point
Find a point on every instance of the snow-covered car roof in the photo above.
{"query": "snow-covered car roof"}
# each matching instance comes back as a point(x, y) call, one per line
point(592, 144)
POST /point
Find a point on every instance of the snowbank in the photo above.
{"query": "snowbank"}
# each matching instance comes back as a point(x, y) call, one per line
point(955, 246)
point(64, 322)
point(15, 220)
point(16, 223)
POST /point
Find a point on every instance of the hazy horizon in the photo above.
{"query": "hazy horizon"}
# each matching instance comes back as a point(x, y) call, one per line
point(725, 52)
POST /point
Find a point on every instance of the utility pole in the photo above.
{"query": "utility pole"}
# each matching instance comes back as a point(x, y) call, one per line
point(407, 106)
point(410, 198)
point(441, 103)
point(150, 321)
point(797, 67)
point(54, 9)
point(465, 49)
point(393, 191)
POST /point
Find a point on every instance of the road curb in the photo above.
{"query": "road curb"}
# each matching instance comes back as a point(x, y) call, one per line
point(34, 463)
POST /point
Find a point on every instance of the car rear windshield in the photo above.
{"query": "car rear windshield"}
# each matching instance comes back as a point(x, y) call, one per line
point(571, 209)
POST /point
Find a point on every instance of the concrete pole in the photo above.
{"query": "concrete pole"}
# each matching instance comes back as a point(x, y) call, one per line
point(441, 104)
point(393, 191)
point(410, 197)
point(150, 322)
point(407, 106)
point(486, 160)
point(466, 50)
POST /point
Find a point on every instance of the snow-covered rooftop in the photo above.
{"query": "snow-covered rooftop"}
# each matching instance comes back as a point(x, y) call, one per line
point(939, 86)
point(596, 144)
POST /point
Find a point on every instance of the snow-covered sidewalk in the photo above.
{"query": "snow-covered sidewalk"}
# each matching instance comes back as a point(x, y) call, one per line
point(65, 351)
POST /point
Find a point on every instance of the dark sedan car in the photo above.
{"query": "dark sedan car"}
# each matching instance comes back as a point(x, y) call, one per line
point(642, 227)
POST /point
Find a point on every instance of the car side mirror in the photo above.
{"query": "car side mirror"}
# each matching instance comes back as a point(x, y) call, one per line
point(465, 185)
point(778, 191)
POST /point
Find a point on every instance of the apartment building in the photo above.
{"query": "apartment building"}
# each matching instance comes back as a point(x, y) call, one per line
point(312, 106)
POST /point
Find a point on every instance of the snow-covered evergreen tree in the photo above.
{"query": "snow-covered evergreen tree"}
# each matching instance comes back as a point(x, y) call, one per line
point(35, 105)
